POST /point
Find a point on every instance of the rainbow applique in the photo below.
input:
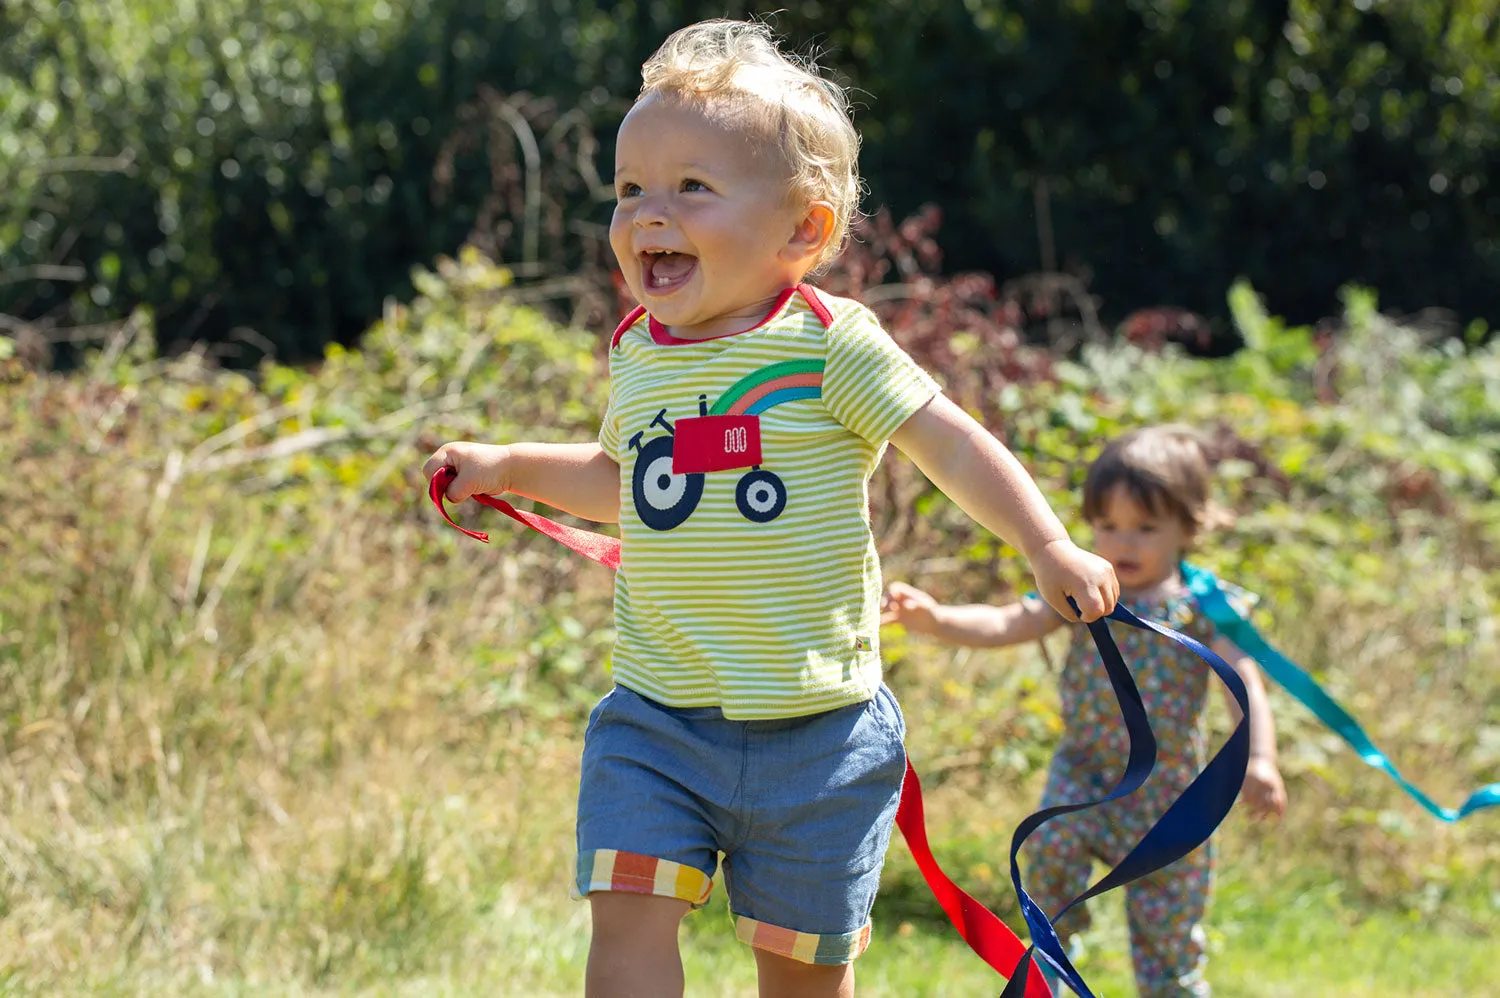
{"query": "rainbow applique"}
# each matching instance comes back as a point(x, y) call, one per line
point(787, 381)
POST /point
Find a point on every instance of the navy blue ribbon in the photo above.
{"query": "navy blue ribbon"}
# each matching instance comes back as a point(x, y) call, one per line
point(1185, 826)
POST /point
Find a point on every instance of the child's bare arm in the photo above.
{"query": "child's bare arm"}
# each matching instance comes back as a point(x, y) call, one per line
point(579, 478)
point(976, 471)
point(977, 625)
point(1264, 791)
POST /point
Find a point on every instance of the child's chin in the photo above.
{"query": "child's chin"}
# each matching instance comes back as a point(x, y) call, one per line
point(675, 308)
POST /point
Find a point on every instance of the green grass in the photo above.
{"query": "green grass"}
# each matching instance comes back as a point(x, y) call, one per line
point(1307, 943)
point(267, 728)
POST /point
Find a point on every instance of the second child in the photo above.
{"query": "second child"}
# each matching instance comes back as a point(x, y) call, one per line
point(1147, 498)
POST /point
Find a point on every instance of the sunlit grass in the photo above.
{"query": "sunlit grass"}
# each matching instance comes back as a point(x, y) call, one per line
point(1284, 943)
point(283, 734)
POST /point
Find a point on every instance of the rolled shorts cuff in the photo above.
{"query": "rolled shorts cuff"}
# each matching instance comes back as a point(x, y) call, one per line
point(804, 947)
point(632, 873)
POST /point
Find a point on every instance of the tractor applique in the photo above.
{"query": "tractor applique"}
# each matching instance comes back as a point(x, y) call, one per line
point(667, 482)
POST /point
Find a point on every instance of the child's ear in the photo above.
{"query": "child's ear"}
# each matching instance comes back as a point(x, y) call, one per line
point(812, 233)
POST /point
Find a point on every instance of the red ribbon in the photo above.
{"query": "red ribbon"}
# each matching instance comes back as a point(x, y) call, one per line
point(594, 546)
point(981, 928)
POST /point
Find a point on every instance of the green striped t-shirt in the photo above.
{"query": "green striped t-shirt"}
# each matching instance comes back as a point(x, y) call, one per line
point(754, 588)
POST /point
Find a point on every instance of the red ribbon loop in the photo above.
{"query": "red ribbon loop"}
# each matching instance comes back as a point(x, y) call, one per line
point(593, 546)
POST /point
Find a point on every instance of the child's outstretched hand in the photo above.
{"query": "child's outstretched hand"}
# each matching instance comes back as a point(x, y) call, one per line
point(910, 607)
point(1263, 791)
point(1063, 569)
point(480, 469)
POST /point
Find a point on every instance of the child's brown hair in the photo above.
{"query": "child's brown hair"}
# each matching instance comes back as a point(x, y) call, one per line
point(1166, 469)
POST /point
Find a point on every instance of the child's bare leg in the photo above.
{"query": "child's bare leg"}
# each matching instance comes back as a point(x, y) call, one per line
point(633, 951)
point(783, 977)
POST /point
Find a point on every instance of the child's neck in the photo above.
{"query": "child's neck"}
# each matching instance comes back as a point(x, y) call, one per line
point(1170, 585)
point(732, 322)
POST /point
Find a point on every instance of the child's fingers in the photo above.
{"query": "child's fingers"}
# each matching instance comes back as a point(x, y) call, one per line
point(1057, 599)
point(1266, 801)
point(437, 461)
point(1268, 810)
point(901, 591)
point(464, 482)
point(1107, 591)
point(1092, 603)
point(450, 456)
point(901, 602)
point(467, 481)
point(895, 608)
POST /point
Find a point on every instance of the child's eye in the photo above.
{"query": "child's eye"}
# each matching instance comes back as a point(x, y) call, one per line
point(629, 191)
point(693, 185)
point(1148, 528)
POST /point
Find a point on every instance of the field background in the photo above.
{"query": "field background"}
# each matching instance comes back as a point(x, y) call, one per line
point(270, 727)
point(267, 726)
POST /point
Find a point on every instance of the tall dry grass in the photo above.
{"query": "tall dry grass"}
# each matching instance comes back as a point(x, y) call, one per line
point(268, 725)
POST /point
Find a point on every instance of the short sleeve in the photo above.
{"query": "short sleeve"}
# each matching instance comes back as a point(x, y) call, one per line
point(609, 429)
point(869, 383)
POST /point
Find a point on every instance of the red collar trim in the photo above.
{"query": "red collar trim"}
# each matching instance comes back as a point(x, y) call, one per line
point(662, 336)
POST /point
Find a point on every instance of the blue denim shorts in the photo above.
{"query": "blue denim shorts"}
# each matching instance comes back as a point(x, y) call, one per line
point(800, 808)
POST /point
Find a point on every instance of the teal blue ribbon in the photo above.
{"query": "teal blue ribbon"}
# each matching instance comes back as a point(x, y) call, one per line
point(1212, 601)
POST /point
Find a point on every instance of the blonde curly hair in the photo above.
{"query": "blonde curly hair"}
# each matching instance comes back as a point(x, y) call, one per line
point(737, 64)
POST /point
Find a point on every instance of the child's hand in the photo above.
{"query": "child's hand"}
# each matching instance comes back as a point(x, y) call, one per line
point(480, 469)
point(1263, 792)
point(1063, 569)
point(910, 607)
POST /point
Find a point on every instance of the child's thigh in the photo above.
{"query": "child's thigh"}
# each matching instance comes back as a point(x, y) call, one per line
point(820, 801)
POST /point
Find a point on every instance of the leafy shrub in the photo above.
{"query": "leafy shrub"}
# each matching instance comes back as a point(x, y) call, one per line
point(263, 174)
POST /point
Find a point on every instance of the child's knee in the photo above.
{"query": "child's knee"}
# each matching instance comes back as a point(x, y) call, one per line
point(785, 977)
point(635, 920)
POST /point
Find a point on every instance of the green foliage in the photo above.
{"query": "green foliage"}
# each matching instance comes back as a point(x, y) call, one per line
point(265, 166)
point(1300, 144)
point(264, 174)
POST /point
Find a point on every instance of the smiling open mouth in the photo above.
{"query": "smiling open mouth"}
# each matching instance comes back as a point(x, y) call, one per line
point(665, 272)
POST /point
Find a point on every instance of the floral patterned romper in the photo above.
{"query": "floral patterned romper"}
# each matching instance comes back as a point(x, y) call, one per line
point(1165, 909)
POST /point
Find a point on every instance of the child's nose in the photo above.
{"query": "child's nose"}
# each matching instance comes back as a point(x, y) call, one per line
point(651, 212)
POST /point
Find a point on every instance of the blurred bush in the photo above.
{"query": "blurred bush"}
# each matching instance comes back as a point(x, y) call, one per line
point(263, 174)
